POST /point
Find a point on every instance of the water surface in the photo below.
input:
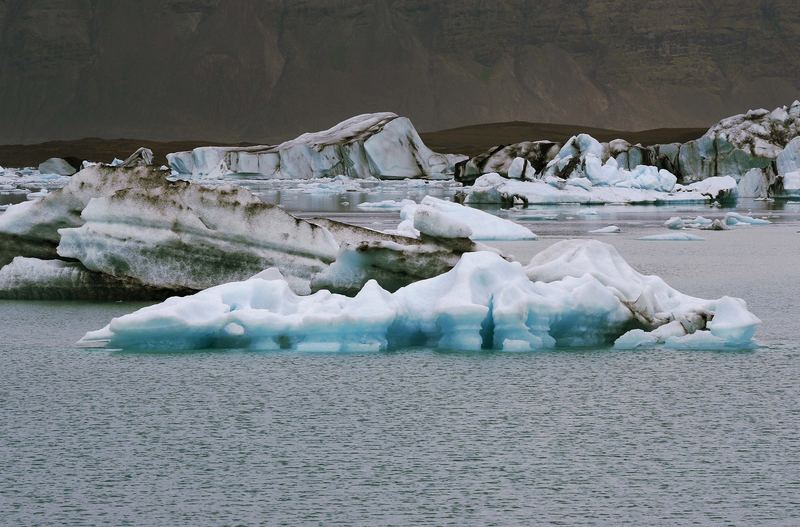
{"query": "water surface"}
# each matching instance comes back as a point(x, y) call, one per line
point(586, 437)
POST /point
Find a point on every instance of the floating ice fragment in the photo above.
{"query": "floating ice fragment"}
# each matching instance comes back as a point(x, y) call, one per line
point(674, 222)
point(673, 237)
point(734, 218)
point(387, 204)
point(445, 219)
point(607, 230)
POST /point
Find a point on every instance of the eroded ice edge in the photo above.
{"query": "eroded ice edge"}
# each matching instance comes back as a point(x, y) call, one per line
point(574, 293)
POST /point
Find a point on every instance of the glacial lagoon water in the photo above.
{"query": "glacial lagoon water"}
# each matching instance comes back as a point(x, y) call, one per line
point(578, 437)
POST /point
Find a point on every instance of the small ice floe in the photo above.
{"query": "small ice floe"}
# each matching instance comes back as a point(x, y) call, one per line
point(536, 217)
point(611, 229)
point(675, 223)
point(39, 194)
point(445, 219)
point(672, 237)
point(387, 204)
point(717, 188)
point(735, 218)
point(731, 219)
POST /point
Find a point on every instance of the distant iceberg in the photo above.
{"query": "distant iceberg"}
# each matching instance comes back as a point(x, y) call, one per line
point(574, 293)
point(755, 148)
point(583, 172)
point(493, 188)
point(382, 145)
point(672, 237)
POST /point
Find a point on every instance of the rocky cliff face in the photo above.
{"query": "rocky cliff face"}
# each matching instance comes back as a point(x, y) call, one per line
point(264, 70)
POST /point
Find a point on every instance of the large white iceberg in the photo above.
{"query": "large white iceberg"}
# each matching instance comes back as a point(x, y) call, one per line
point(445, 219)
point(382, 145)
point(574, 293)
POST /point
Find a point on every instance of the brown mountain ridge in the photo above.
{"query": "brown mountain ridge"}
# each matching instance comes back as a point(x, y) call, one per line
point(261, 70)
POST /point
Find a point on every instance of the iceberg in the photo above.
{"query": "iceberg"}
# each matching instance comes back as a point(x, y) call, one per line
point(675, 222)
point(28, 179)
point(731, 219)
point(445, 219)
point(753, 184)
point(574, 293)
point(790, 184)
point(382, 145)
point(735, 218)
point(719, 188)
point(672, 237)
point(133, 224)
point(732, 147)
point(493, 188)
point(611, 229)
point(31, 228)
point(521, 169)
point(534, 155)
point(788, 160)
point(57, 166)
point(762, 132)
point(387, 204)
point(182, 235)
point(187, 235)
point(583, 171)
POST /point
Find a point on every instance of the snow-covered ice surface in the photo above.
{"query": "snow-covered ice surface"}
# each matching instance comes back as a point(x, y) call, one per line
point(721, 188)
point(575, 293)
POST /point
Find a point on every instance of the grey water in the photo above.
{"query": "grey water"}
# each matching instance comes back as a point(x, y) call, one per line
point(566, 437)
point(580, 437)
